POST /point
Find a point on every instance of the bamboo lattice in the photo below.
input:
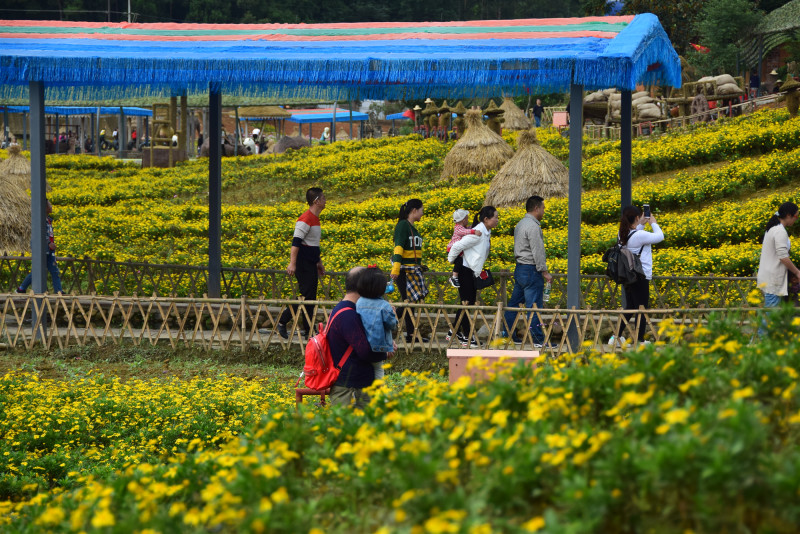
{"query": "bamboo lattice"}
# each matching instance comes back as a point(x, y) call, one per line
point(64, 320)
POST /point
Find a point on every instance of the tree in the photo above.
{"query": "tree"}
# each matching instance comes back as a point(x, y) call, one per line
point(678, 17)
point(722, 24)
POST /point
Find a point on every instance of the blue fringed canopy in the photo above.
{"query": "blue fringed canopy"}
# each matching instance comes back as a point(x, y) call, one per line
point(96, 61)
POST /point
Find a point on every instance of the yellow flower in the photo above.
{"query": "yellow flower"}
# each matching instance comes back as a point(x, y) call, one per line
point(103, 518)
point(743, 393)
point(679, 415)
point(534, 525)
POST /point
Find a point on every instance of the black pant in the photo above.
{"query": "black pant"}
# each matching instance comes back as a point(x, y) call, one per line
point(401, 287)
point(307, 283)
point(467, 292)
point(636, 294)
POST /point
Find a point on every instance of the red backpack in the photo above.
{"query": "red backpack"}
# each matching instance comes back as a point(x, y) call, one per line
point(319, 370)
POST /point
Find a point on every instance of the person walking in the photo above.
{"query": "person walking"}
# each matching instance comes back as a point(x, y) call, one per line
point(635, 238)
point(775, 263)
point(305, 262)
point(538, 109)
point(407, 271)
point(530, 272)
point(347, 331)
point(476, 250)
point(52, 266)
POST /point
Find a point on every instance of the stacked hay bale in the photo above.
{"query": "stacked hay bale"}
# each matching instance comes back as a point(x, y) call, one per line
point(532, 171)
point(15, 204)
point(478, 151)
point(515, 118)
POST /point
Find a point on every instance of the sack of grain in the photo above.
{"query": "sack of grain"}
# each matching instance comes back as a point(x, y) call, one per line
point(724, 79)
point(642, 100)
point(729, 89)
point(645, 108)
point(706, 79)
point(640, 94)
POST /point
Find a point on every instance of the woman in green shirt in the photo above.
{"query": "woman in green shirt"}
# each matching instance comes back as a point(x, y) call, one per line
point(407, 260)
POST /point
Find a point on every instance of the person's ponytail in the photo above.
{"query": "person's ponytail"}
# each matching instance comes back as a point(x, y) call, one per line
point(785, 209)
point(408, 207)
point(486, 212)
point(627, 221)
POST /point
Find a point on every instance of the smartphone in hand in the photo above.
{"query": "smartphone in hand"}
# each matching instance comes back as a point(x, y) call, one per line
point(646, 209)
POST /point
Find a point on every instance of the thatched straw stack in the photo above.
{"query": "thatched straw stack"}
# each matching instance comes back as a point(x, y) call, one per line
point(495, 115)
point(515, 118)
point(478, 151)
point(532, 171)
point(15, 215)
point(790, 87)
point(460, 123)
point(16, 169)
point(444, 115)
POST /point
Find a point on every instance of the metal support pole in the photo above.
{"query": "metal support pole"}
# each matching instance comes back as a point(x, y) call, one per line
point(38, 201)
point(97, 133)
point(626, 173)
point(58, 134)
point(236, 130)
point(122, 133)
point(6, 128)
point(574, 210)
point(214, 193)
point(25, 118)
point(333, 125)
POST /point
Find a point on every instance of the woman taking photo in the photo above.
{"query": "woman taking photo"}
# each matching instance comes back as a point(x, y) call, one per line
point(635, 238)
point(407, 261)
point(476, 250)
point(775, 263)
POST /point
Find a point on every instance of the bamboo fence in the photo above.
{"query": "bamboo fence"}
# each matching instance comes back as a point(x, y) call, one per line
point(59, 321)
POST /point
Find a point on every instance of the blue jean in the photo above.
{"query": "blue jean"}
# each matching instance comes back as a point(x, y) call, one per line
point(770, 301)
point(538, 120)
point(54, 274)
point(528, 288)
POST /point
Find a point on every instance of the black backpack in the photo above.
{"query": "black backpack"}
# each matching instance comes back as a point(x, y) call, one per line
point(624, 267)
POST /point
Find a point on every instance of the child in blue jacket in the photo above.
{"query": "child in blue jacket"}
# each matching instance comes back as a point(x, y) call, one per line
point(377, 315)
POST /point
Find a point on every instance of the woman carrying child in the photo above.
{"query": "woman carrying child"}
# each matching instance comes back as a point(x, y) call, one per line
point(460, 229)
point(377, 315)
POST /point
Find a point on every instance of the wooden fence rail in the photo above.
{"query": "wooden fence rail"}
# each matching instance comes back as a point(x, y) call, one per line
point(85, 276)
point(64, 320)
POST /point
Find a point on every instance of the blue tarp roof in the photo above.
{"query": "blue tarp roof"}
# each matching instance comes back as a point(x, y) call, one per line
point(79, 60)
point(307, 116)
point(77, 110)
point(397, 116)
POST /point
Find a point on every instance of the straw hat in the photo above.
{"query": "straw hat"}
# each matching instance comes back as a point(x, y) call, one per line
point(478, 151)
point(459, 109)
point(532, 171)
point(515, 118)
point(444, 108)
point(428, 101)
point(417, 108)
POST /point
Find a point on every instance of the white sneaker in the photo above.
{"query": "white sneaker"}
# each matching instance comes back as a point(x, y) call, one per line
point(614, 340)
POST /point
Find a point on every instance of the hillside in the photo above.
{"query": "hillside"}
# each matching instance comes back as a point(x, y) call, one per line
point(712, 187)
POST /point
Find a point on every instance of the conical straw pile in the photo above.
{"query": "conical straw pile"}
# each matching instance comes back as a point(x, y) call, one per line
point(532, 171)
point(478, 151)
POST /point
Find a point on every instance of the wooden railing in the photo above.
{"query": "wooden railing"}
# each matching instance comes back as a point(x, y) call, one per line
point(87, 276)
point(64, 320)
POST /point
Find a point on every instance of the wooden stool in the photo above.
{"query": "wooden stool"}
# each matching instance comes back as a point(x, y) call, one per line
point(299, 393)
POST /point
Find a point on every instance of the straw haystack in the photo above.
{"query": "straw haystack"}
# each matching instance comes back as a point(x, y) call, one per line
point(478, 151)
point(790, 87)
point(532, 171)
point(444, 115)
point(460, 123)
point(15, 218)
point(515, 117)
point(495, 115)
point(342, 135)
point(16, 169)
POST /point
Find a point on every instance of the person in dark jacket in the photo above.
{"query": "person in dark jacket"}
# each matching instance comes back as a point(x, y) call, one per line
point(346, 331)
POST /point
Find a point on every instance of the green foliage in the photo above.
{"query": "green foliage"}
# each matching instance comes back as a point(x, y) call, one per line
point(678, 17)
point(721, 26)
